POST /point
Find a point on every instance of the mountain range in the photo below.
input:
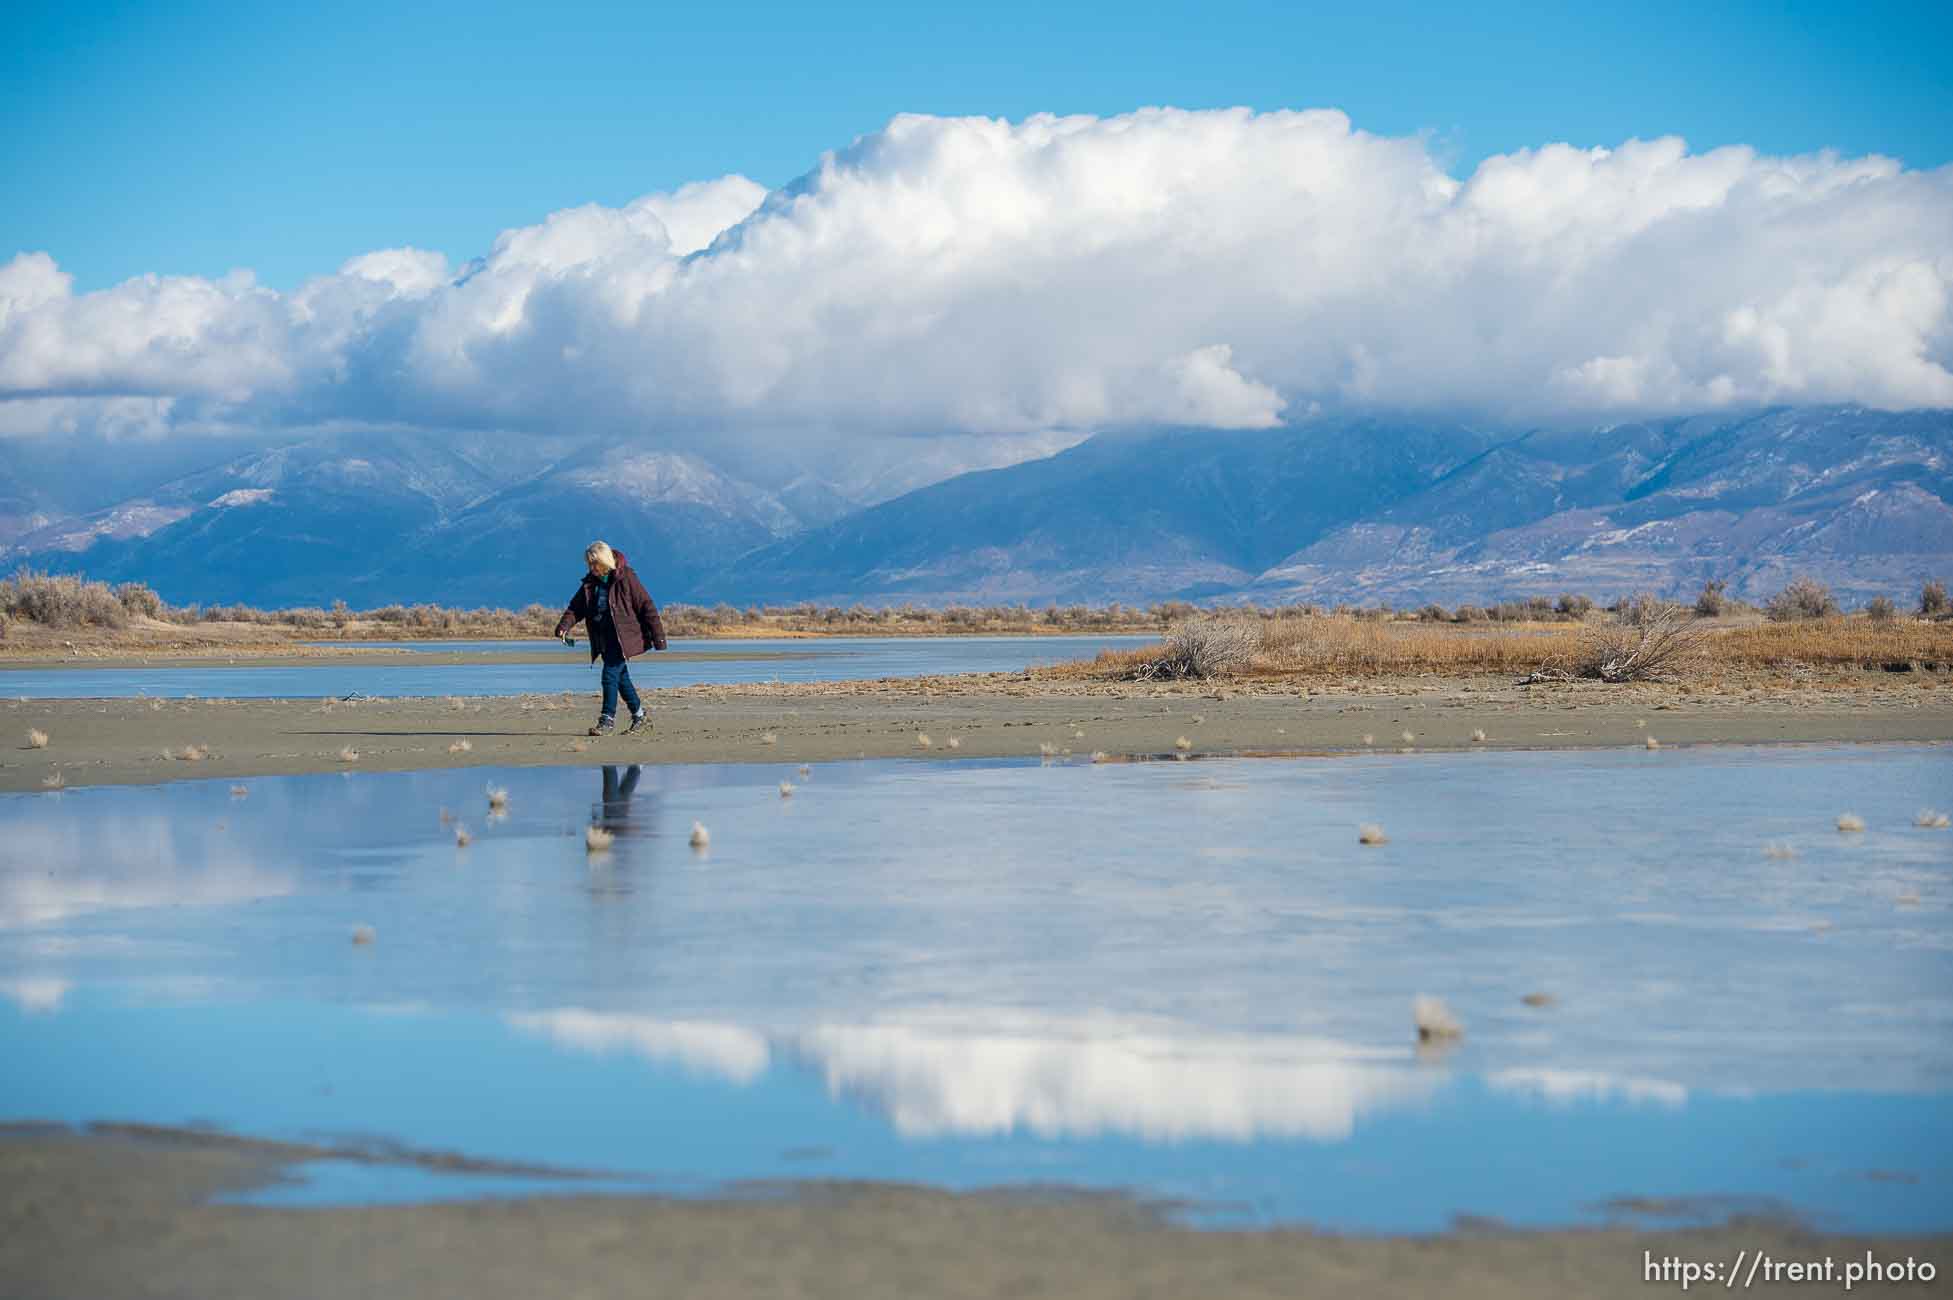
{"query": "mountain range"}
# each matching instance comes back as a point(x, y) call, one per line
point(1361, 508)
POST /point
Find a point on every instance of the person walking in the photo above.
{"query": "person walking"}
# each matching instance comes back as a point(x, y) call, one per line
point(622, 622)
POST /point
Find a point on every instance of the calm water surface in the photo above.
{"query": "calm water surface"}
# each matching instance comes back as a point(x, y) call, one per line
point(716, 661)
point(1186, 980)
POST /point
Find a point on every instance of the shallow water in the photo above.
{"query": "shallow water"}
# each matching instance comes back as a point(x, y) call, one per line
point(1187, 980)
point(711, 661)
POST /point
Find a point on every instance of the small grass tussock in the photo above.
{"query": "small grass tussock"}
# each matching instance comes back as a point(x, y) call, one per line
point(460, 747)
point(36, 738)
point(1434, 1020)
point(1371, 833)
point(701, 838)
point(1931, 819)
point(1850, 823)
point(596, 839)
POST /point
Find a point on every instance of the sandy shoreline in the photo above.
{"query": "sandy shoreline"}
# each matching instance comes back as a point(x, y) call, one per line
point(128, 1213)
point(133, 741)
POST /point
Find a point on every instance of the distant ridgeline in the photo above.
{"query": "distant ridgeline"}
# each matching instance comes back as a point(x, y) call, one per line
point(1395, 510)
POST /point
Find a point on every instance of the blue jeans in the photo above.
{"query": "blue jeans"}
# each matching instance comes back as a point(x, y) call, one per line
point(617, 678)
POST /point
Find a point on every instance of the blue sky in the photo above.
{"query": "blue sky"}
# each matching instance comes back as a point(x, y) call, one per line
point(198, 138)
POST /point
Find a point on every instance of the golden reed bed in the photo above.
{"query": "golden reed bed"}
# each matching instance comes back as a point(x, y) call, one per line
point(1341, 647)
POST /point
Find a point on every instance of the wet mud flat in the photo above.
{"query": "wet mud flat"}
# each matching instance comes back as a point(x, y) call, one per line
point(137, 1213)
point(994, 715)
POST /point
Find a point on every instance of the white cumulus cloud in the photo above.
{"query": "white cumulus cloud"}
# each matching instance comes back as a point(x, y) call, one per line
point(978, 276)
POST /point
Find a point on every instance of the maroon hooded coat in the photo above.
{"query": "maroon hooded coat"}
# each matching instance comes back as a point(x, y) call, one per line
point(632, 615)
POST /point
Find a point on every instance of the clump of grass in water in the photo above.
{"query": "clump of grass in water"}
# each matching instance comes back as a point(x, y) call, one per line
point(1099, 756)
point(349, 755)
point(596, 839)
point(460, 747)
point(1652, 743)
point(54, 780)
point(363, 935)
point(462, 839)
point(701, 838)
point(1929, 819)
point(1434, 1021)
point(1182, 744)
point(1850, 823)
point(786, 789)
point(36, 738)
point(1047, 750)
point(1779, 850)
point(498, 798)
point(240, 791)
point(806, 770)
point(1371, 833)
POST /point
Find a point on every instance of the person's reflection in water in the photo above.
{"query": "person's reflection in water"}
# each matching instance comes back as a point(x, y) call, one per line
point(615, 813)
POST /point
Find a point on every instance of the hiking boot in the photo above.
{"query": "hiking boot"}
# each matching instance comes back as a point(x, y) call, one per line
point(605, 725)
point(640, 723)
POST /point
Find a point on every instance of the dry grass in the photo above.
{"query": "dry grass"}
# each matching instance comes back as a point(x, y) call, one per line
point(1371, 833)
point(1850, 823)
point(701, 838)
point(36, 738)
point(349, 755)
point(1337, 647)
point(460, 747)
point(596, 839)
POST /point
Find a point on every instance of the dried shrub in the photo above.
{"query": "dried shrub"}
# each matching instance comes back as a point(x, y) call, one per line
point(1803, 598)
point(1880, 609)
point(1711, 603)
point(1202, 648)
point(1933, 601)
point(139, 600)
point(1574, 607)
point(1649, 641)
point(60, 600)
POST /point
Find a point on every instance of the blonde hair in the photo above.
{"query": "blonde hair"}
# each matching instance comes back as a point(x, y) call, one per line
point(598, 553)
